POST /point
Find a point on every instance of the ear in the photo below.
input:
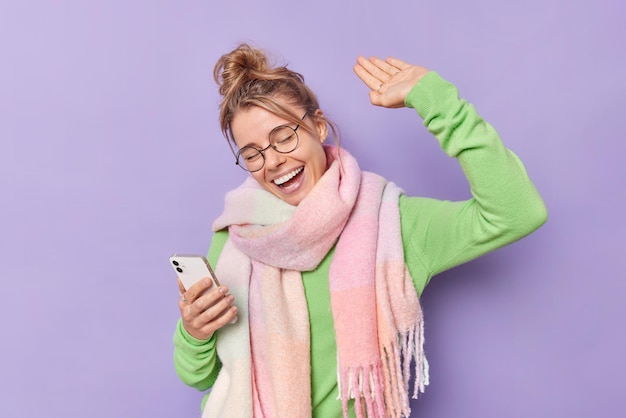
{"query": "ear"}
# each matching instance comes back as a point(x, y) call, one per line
point(321, 125)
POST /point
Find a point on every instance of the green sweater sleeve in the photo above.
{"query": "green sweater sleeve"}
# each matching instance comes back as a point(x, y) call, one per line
point(195, 361)
point(505, 206)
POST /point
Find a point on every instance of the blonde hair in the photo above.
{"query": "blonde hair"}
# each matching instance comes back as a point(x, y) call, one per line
point(246, 78)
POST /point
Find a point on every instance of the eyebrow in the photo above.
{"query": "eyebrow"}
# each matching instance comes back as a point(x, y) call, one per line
point(257, 145)
point(250, 143)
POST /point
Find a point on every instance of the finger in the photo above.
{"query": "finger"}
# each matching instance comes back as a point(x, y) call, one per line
point(229, 317)
point(181, 288)
point(198, 288)
point(375, 98)
point(398, 63)
point(209, 299)
point(217, 309)
point(373, 82)
point(185, 311)
point(211, 315)
point(370, 81)
point(377, 67)
point(183, 307)
point(387, 68)
point(205, 332)
point(182, 301)
point(219, 315)
point(371, 66)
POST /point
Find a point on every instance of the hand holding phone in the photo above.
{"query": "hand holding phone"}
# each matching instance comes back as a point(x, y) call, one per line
point(203, 311)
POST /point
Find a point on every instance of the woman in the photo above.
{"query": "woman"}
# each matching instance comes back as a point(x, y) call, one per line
point(322, 264)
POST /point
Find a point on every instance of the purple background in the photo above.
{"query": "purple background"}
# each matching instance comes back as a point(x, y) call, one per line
point(112, 159)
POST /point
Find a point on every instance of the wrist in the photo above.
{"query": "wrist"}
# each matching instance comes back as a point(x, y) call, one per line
point(193, 339)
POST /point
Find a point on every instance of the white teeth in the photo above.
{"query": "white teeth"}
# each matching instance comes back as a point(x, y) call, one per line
point(287, 176)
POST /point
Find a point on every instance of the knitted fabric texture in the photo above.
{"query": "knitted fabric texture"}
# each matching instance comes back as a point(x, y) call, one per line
point(377, 316)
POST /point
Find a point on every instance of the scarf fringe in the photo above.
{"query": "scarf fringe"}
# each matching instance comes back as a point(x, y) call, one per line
point(398, 357)
point(373, 387)
point(365, 386)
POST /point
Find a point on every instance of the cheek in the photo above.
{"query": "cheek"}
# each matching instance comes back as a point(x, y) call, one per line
point(320, 159)
point(258, 176)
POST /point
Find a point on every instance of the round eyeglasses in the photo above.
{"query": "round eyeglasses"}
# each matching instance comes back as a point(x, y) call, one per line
point(283, 139)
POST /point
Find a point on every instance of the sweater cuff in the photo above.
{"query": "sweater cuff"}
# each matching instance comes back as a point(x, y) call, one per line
point(183, 335)
point(431, 94)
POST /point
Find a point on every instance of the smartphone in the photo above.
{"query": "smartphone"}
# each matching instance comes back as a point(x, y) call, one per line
point(192, 268)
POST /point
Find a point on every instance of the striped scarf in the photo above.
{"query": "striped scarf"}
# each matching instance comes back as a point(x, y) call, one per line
point(378, 319)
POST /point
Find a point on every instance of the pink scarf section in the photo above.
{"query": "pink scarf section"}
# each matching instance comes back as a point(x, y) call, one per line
point(378, 319)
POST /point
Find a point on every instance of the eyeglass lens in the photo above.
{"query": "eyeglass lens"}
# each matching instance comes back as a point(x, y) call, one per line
point(283, 139)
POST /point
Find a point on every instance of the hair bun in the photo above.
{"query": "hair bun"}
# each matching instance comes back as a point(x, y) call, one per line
point(239, 67)
point(245, 77)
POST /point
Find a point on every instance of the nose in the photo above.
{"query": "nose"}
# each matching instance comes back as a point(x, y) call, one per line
point(273, 158)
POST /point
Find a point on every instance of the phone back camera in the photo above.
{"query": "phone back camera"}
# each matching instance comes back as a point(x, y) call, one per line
point(178, 269)
point(175, 262)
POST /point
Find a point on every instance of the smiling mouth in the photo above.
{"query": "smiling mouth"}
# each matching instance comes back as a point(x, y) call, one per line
point(285, 180)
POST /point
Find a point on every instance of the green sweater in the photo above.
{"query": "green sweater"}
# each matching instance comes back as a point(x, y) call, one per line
point(436, 235)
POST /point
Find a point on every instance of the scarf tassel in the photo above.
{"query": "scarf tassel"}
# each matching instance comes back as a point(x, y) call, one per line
point(397, 358)
point(365, 384)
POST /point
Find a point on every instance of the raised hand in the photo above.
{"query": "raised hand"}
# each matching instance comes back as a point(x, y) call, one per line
point(390, 80)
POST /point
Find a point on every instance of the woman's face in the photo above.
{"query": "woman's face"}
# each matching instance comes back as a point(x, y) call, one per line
point(289, 176)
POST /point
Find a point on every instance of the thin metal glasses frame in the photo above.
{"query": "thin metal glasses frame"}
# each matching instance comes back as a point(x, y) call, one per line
point(262, 151)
